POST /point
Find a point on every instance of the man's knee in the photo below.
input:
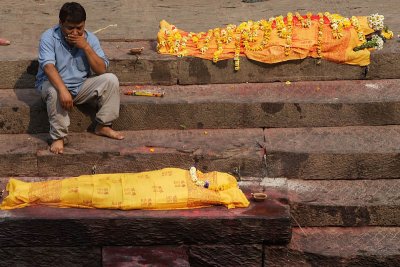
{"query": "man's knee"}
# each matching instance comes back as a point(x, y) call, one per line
point(49, 94)
point(111, 79)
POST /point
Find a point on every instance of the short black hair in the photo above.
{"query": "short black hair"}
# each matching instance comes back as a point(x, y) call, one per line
point(72, 12)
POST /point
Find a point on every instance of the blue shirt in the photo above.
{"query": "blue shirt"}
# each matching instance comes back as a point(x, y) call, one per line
point(71, 62)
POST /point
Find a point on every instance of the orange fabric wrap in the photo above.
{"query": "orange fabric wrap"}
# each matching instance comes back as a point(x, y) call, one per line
point(304, 44)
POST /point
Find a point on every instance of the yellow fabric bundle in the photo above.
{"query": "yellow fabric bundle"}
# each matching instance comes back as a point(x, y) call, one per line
point(168, 188)
point(279, 39)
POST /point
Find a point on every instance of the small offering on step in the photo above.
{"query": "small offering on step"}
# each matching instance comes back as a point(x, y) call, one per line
point(144, 93)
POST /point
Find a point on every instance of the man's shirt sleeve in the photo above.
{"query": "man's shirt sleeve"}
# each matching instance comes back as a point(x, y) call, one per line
point(95, 44)
point(47, 53)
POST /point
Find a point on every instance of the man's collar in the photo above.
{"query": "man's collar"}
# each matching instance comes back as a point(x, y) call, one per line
point(57, 32)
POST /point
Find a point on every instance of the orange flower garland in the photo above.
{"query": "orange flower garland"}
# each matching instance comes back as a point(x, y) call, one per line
point(273, 40)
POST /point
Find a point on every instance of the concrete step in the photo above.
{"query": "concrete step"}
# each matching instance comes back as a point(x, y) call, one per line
point(326, 153)
point(18, 67)
point(331, 246)
point(261, 105)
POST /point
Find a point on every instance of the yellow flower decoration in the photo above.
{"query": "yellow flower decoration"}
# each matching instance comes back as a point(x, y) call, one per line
point(387, 34)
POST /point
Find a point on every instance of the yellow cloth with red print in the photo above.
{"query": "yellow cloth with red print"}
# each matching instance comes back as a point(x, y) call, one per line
point(169, 188)
point(304, 41)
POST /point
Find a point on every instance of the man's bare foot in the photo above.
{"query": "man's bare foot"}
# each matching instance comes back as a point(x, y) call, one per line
point(57, 147)
point(108, 132)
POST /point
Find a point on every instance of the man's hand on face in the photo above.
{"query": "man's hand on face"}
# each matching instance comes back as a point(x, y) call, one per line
point(74, 33)
point(79, 41)
point(65, 99)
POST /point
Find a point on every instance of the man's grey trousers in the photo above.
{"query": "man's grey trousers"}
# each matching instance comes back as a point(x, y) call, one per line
point(102, 89)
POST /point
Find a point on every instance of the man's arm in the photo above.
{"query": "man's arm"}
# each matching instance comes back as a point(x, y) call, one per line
point(96, 63)
point(54, 77)
point(47, 60)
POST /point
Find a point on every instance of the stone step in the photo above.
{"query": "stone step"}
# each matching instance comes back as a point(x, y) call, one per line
point(146, 256)
point(196, 255)
point(264, 222)
point(141, 19)
point(222, 150)
point(261, 105)
point(331, 246)
point(347, 153)
point(38, 235)
point(18, 66)
point(214, 236)
point(51, 256)
point(344, 203)
point(357, 152)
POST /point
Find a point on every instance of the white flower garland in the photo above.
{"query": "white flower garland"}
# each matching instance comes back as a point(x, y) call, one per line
point(378, 40)
point(196, 180)
point(375, 22)
point(207, 184)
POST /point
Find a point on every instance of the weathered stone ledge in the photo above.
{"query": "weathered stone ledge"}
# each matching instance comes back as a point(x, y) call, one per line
point(356, 152)
point(358, 246)
point(262, 222)
point(18, 68)
point(261, 105)
point(344, 203)
point(222, 150)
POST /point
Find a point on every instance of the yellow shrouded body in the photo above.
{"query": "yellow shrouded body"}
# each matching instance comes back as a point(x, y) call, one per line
point(169, 188)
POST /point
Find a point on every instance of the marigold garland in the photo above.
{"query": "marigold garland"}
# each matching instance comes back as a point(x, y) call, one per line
point(245, 37)
point(320, 34)
point(305, 23)
point(289, 33)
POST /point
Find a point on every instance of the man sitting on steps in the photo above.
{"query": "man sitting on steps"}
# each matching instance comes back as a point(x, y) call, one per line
point(67, 56)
